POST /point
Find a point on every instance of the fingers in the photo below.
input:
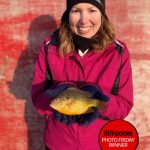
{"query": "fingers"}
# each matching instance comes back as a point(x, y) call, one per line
point(71, 120)
point(53, 93)
point(87, 119)
point(84, 119)
point(101, 96)
point(57, 115)
point(65, 119)
point(96, 92)
point(105, 98)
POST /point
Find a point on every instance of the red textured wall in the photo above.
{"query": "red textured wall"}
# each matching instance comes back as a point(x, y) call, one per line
point(23, 25)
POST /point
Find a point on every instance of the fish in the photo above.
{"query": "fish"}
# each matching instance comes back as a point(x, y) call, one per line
point(74, 101)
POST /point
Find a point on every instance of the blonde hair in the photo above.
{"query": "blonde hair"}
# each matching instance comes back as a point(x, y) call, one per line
point(104, 36)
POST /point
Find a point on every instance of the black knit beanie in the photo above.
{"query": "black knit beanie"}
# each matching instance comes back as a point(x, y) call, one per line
point(100, 4)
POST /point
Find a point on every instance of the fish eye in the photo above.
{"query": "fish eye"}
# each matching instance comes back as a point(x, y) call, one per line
point(67, 98)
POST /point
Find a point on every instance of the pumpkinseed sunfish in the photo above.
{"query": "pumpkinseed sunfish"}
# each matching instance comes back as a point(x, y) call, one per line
point(74, 101)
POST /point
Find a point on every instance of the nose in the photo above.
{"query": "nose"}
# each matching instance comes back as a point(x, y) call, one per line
point(83, 18)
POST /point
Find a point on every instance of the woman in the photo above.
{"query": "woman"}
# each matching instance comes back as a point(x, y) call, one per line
point(84, 54)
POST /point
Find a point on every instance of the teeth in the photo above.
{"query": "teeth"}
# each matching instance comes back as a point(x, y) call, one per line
point(84, 29)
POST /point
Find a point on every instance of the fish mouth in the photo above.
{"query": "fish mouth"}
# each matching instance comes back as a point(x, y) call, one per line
point(52, 105)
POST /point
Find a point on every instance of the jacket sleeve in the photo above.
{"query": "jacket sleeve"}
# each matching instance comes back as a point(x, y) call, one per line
point(40, 101)
point(120, 105)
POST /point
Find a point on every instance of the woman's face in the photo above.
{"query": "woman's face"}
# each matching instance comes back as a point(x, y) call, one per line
point(85, 19)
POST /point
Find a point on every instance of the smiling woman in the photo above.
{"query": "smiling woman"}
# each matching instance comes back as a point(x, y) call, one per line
point(85, 19)
point(83, 55)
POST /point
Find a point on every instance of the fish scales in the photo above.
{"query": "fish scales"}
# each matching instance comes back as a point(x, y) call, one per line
point(74, 101)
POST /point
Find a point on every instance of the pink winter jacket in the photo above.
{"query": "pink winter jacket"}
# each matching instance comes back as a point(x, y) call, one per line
point(95, 67)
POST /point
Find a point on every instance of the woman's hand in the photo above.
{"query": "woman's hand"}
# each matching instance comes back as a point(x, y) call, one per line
point(95, 91)
point(87, 119)
point(54, 92)
point(66, 119)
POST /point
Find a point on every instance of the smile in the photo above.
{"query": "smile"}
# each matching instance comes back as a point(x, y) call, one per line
point(84, 29)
